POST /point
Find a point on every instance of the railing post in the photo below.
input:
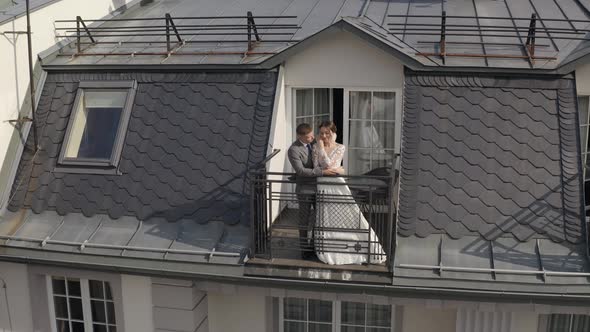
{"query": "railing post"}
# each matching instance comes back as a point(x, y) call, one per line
point(268, 216)
point(391, 215)
point(253, 233)
point(78, 19)
point(530, 39)
point(167, 33)
point(443, 36)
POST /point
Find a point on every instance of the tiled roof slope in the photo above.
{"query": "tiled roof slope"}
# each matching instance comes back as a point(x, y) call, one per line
point(490, 157)
point(190, 141)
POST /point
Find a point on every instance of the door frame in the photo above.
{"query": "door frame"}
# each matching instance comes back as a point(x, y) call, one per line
point(291, 109)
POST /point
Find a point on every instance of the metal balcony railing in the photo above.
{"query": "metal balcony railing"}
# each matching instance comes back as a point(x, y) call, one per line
point(333, 220)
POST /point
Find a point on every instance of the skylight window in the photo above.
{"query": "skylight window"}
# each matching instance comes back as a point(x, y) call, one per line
point(98, 123)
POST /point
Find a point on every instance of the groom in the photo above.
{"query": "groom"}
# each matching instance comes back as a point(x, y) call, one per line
point(305, 185)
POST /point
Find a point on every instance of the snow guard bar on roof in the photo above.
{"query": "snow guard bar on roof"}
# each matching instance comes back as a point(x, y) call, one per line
point(524, 31)
point(191, 31)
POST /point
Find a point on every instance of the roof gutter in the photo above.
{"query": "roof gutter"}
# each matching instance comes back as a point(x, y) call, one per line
point(331, 286)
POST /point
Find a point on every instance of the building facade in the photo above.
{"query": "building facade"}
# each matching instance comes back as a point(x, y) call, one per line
point(161, 198)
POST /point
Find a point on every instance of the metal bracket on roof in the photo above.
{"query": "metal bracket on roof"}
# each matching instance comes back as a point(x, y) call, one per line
point(440, 256)
point(170, 24)
point(540, 259)
point(20, 121)
point(443, 31)
point(80, 21)
point(530, 39)
point(211, 255)
point(251, 27)
point(492, 260)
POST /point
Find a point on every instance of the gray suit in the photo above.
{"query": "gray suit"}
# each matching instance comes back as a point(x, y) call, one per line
point(305, 187)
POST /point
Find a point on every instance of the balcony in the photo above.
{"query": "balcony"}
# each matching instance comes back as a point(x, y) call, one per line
point(328, 223)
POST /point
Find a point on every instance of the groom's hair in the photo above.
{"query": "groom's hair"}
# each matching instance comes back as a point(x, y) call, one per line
point(303, 129)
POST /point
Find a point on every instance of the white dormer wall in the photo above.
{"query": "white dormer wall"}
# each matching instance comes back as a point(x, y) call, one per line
point(343, 60)
point(337, 60)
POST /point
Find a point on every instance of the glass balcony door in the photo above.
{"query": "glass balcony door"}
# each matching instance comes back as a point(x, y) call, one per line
point(372, 129)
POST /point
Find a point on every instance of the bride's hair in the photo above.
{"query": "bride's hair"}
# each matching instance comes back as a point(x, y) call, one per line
point(330, 125)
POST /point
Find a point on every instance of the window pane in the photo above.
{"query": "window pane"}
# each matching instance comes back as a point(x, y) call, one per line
point(78, 327)
point(96, 120)
point(359, 161)
point(383, 106)
point(583, 109)
point(303, 102)
point(359, 135)
point(318, 121)
point(584, 138)
point(346, 328)
point(353, 313)
point(378, 315)
point(61, 307)
point(107, 288)
point(105, 98)
point(320, 311)
point(581, 323)
point(382, 158)
point(322, 101)
point(112, 328)
point(317, 327)
point(59, 286)
point(99, 328)
point(559, 323)
point(62, 325)
point(360, 105)
point(111, 312)
point(385, 132)
point(367, 134)
point(96, 289)
point(98, 311)
point(295, 309)
point(378, 329)
point(308, 119)
point(74, 287)
point(76, 309)
point(294, 326)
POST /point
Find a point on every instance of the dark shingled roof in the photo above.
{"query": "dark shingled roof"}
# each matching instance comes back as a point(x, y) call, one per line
point(491, 186)
point(190, 141)
point(491, 157)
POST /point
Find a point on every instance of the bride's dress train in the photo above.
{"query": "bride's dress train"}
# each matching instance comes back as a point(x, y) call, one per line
point(340, 211)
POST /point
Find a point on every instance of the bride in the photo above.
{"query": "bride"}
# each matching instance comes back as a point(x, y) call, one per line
point(340, 211)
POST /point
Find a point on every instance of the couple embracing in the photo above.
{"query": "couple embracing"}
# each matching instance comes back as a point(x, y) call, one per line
point(317, 165)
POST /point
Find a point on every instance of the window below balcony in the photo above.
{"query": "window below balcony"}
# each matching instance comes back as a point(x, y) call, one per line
point(564, 323)
point(81, 305)
point(309, 315)
point(98, 123)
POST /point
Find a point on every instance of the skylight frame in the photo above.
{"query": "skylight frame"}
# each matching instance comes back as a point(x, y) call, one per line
point(100, 163)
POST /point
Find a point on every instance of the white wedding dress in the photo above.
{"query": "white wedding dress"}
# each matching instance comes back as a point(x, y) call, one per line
point(341, 211)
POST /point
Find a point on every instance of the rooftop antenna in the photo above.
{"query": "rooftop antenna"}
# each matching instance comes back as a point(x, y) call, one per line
point(31, 81)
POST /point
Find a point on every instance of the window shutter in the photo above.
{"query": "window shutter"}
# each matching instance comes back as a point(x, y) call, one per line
point(482, 321)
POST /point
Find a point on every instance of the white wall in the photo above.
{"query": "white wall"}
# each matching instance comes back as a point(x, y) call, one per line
point(524, 322)
point(344, 60)
point(14, 81)
point(583, 80)
point(137, 303)
point(420, 319)
point(237, 312)
point(179, 306)
point(18, 311)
